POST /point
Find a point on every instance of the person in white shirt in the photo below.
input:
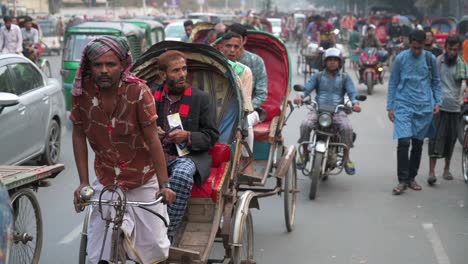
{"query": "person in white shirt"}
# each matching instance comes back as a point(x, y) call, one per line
point(11, 39)
point(30, 40)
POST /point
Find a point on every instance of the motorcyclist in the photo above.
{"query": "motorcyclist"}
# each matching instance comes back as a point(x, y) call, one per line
point(330, 91)
point(371, 41)
point(30, 40)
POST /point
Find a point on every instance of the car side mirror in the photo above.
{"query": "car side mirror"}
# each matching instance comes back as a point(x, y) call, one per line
point(361, 97)
point(298, 88)
point(8, 99)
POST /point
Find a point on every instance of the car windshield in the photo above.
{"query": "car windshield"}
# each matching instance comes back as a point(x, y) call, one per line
point(75, 45)
point(275, 23)
point(176, 31)
point(47, 29)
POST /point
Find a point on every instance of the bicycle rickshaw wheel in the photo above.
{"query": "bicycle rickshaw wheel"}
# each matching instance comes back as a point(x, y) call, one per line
point(84, 239)
point(290, 195)
point(27, 228)
point(243, 254)
point(465, 157)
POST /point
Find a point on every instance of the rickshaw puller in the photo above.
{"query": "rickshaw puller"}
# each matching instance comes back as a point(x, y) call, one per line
point(114, 112)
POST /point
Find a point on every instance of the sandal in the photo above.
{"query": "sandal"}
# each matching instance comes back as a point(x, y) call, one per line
point(447, 176)
point(349, 168)
point(399, 189)
point(415, 186)
point(431, 180)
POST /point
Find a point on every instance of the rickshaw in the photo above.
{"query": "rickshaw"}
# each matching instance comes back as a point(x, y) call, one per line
point(77, 37)
point(41, 62)
point(443, 27)
point(462, 27)
point(217, 211)
point(21, 181)
point(270, 158)
point(153, 29)
point(200, 32)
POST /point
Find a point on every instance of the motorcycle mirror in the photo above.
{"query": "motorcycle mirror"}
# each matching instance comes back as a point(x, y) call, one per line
point(361, 97)
point(298, 88)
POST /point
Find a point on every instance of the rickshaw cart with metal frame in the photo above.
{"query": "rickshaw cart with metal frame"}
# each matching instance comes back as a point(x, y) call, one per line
point(216, 212)
point(270, 157)
point(21, 181)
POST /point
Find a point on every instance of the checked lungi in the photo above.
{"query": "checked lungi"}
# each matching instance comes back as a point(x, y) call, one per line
point(181, 171)
point(340, 121)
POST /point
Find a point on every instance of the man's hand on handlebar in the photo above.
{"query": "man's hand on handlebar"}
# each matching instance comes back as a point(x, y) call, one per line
point(298, 100)
point(169, 195)
point(76, 197)
point(356, 108)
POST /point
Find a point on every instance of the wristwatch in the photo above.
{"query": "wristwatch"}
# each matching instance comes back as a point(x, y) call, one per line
point(165, 186)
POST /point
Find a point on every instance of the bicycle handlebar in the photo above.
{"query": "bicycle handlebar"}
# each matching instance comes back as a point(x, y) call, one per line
point(87, 192)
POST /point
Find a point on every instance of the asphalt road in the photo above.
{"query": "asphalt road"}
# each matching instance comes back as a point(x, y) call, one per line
point(354, 219)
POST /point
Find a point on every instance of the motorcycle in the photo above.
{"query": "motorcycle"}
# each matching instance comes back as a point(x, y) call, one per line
point(328, 154)
point(463, 138)
point(370, 69)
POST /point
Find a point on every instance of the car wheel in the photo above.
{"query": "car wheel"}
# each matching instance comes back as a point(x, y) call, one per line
point(51, 153)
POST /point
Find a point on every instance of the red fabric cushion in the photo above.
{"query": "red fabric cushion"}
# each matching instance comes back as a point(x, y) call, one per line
point(221, 155)
point(261, 131)
point(212, 187)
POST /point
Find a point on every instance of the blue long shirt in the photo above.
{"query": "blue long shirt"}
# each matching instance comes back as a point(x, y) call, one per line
point(331, 92)
point(260, 79)
point(412, 95)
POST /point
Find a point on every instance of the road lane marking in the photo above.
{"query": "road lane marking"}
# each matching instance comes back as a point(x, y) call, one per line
point(436, 243)
point(74, 234)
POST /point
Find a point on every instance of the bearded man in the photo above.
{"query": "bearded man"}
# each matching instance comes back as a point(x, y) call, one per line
point(453, 71)
point(196, 133)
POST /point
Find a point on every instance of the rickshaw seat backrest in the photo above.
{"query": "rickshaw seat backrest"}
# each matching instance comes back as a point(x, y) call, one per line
point(220, 153)
point(276, 59)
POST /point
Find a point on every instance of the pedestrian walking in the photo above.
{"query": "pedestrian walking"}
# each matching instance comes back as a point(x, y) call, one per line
point(453, 71)
point(414, 96)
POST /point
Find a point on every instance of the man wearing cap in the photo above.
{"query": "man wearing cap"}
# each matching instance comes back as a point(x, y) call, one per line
point(115, 113)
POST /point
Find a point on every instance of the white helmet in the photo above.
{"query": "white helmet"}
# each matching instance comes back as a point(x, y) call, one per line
point(332, 53)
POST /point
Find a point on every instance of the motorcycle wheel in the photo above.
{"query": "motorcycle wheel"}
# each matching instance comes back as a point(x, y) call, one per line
point(369, 83)
point(315, 175)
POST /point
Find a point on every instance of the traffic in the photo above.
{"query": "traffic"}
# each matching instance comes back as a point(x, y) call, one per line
point(164, 135)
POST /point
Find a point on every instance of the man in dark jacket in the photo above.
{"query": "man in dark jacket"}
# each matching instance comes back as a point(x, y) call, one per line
point(187, 129)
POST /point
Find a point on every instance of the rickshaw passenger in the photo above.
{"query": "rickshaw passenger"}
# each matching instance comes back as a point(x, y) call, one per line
point(185, 141)
point(257, 66)
point(30, 40)
point(11, 40)
point(231, 48)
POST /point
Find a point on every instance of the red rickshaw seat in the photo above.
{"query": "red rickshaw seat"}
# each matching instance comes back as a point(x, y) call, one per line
point(211, 188)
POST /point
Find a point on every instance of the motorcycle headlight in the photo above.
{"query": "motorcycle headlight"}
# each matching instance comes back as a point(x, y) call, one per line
point(465, 118)
point(325, 120)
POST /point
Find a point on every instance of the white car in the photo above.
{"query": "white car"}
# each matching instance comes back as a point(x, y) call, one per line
point(175, 31)
point(50, 39)
point(32, 113)
point(276, 26)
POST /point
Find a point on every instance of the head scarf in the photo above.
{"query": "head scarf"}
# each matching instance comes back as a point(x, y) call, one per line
point(98, 47)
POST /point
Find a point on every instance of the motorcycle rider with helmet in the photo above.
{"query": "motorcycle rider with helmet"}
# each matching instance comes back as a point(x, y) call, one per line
point(331, 85)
